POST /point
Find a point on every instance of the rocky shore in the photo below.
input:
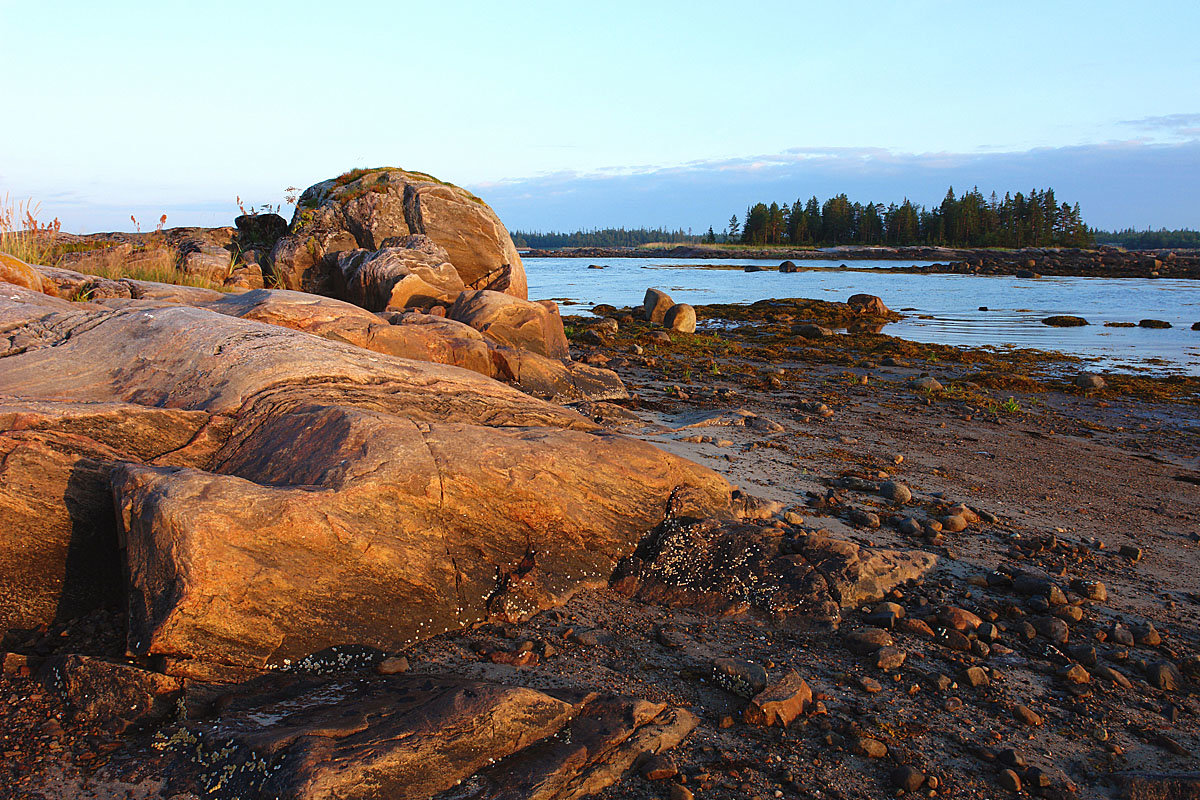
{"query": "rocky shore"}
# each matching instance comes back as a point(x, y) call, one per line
point(1109, 262)
point(398, 531)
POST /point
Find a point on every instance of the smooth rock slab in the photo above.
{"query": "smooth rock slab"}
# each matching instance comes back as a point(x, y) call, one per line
point(402, 738)
point(605, 740)
point(338, 526)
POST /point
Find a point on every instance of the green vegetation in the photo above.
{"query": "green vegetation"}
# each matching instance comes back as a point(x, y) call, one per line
point(1148, 239)
point(971, 220)
point(602, 237)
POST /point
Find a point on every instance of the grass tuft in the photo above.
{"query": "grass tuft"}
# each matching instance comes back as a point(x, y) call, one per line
point(23, 237)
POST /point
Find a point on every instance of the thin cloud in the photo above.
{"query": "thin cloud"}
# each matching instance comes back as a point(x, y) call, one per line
point(1177, 124)
point(1119, 183)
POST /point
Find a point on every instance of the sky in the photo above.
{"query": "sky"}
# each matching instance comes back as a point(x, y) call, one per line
point(566, 116)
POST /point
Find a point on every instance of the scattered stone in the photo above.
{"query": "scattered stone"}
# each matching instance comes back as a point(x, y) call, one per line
point(870, 685)
point(897, 492)
point(393, 665)
point(815, 407)
point(1053, 629)
point(975, 677)
point(908, 778)
point(589, 637)
point(1088, 380)
point(953, 640)
point(1036, 777)
point(1075, 674)
point(939, 682)
point(889, 658)
point(959, 619)
point(681, 792)
point(1121, 635)
point(1146, 635)
point(659, 768)
point(865, 642)
point(743, 678)
point(925, 384)
point(103, 692)
point(1092, 590)
point(863, 519)
point(1027, 715)
point(1009, 780)
point(1131, 552)
point(917, 627)
point(1164, 675)
point(866, 746)
point(1109, 674)
point(780, 703)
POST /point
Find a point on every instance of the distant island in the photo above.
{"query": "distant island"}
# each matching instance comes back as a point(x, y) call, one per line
point(970, 220)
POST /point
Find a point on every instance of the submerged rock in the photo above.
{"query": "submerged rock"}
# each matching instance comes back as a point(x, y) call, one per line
point(1064, 321)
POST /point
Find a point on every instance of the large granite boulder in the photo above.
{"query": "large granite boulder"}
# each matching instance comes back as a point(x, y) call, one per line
point(366, 208)
point(523, 324)
point(279, 493)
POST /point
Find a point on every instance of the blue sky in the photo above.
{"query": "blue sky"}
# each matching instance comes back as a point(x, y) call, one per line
point(579, 115)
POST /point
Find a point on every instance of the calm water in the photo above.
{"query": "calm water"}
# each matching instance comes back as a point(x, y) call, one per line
point(1016, 305)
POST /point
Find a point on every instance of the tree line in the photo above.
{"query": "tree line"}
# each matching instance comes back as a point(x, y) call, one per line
point(968, 220)
point(606, 237)
point(1149, 240)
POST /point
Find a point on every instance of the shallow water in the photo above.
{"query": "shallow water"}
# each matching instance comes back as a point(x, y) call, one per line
point(950, 302)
